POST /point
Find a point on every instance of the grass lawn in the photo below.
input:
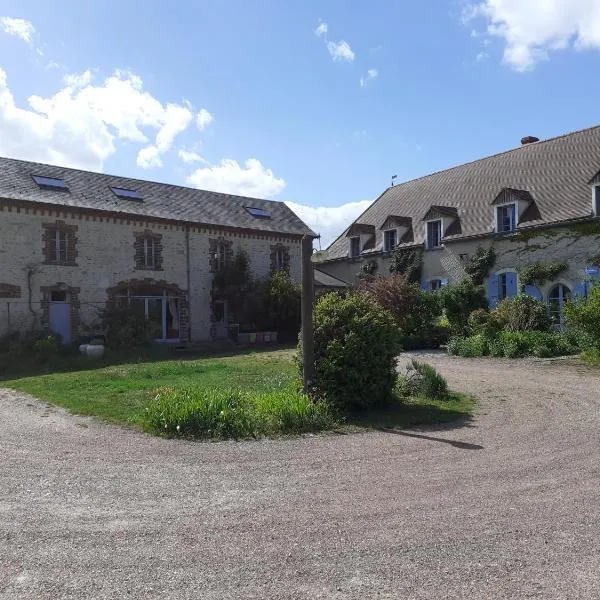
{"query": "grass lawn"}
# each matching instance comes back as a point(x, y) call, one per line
point(120, 394)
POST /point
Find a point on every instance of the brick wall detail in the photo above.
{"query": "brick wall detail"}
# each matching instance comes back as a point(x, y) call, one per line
point(8, 290)
point(276, 251)
point(138, 246)
point(49, 243)
point(73, 295)
point(215, 247)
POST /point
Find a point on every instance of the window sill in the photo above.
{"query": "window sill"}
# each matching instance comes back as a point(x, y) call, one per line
point(56, 263)
point(435, 248)
point(148, 269)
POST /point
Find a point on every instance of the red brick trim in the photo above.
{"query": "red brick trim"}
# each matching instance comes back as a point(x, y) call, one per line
point(172, 289)
point(214, 246)
point(138, 247)
point(275, 266)
point(8, 290)
point(49, 243)
point(73, 292)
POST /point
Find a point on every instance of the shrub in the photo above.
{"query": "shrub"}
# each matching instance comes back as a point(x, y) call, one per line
point(229, 414)
point(483, 322)
point(516, 344)
point(126, 327)
point(407, 262)
point(275, 305)
point(470, 347)
point(422, 380)
point(583, 314)
point(522, 313)
point(356, 344)
point(394, 293)
point(459, 301)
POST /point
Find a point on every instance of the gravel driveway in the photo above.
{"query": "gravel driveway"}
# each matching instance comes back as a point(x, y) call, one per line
point(507, 506)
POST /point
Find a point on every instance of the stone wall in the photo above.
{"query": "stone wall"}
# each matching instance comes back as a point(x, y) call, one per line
point(577, 245)
point(106, 256)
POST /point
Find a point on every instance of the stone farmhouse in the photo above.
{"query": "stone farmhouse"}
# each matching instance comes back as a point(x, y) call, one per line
point(538, 204)
point(71, 240)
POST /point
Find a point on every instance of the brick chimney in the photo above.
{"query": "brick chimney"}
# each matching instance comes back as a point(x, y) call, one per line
point(529, 139)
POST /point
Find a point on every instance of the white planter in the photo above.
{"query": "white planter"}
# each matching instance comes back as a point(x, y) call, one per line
point(95, 351)
point(92, 350)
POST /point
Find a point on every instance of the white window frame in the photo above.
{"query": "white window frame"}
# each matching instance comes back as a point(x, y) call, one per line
point(441, 230)
point(164, 298)
point(61, 245)
point(516, 216)
point(220, 256)
point(386, 232)
point(431, 282)
point(149, 252)
point(354, 237)
point(280, 258)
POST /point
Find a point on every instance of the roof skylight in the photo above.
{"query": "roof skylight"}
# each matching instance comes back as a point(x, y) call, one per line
point(125, 193)
point(259, 213)
point(51, 183)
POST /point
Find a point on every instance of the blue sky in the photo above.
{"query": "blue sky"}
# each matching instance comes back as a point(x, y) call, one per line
point(315, 103)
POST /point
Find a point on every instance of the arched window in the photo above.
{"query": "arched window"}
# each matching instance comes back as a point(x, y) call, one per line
point(557, 298)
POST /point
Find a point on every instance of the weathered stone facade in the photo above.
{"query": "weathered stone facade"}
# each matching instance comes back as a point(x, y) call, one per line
point(104, 258)
point(578, 245)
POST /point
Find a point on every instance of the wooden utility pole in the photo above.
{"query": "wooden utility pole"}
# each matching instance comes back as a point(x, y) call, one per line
point(308, 297)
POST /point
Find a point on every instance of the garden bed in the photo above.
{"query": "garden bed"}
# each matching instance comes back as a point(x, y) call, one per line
point(258, 390)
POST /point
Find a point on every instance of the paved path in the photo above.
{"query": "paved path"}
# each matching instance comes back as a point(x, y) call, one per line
point(507, 506)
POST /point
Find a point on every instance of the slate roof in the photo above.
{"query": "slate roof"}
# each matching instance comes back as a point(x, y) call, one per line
point(555, 172)
point(160, 200)
point(328, 281)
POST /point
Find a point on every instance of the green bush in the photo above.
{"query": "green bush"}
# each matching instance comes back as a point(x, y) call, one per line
point(516, 344)
point(583, 314)
point(522, 313)
point(421, 380)
point(459, 301)
point(356, 345)
point(483, 322)
point(275, 305)
point(127, 327)
point(230, 414)
point(470, 347)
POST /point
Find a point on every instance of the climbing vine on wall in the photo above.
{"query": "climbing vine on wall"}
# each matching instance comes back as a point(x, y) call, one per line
point(538, 273)
point(480, 264)
point(595, 260)
point(408, 262)
point(368, 268)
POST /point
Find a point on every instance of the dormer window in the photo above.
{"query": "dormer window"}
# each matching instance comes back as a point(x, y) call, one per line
point(434, 234)
point(354, 247)
point(506, 218)
point(389, 240)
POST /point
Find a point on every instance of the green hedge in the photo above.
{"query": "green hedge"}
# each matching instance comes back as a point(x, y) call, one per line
point(517, 344)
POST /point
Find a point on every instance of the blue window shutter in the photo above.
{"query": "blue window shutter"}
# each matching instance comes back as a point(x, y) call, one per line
point(534, 292)
point(580, 291)
point(425, 286)
point(511, 285)
point(493, 290)
point(444, 282)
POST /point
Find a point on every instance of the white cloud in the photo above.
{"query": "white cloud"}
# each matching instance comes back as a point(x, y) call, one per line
point(371, 74)
point(340, 51)
point(321, 29)
point(481, 56)
point(19, 27)
point(189, 157)
point(174, 120)
point(204, 119)
point(229, 177)
point(531, 28)
point(329, 221)
point(80, 125)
